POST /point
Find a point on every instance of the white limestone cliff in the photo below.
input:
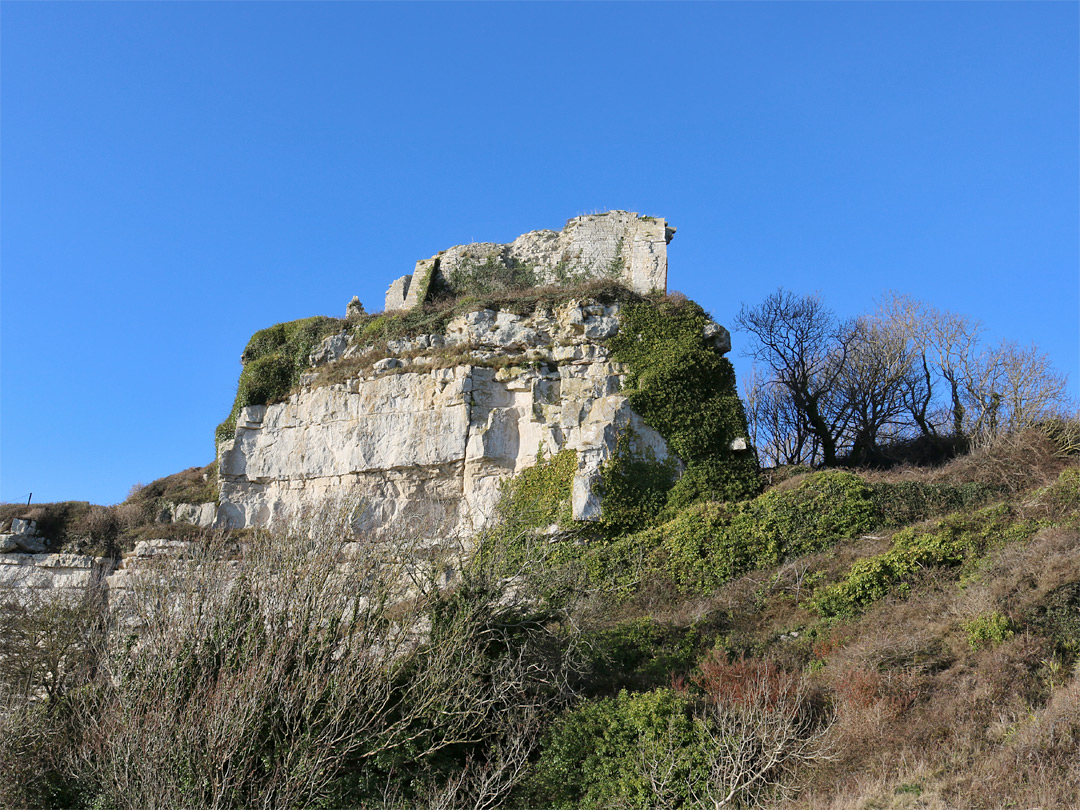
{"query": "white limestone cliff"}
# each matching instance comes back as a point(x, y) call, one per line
point(413, 430)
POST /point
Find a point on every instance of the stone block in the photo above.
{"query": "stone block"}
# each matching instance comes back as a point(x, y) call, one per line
point(395, 296)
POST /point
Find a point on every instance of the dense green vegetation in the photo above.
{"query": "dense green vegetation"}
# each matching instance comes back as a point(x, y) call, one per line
point(842, 637)
point(686, 390)
point(273, 360)
point(721, 650)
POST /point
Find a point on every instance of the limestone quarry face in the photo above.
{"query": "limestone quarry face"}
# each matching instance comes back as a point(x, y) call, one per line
point(404, 434)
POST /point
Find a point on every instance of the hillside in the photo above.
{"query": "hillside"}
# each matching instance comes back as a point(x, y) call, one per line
point(512, 547)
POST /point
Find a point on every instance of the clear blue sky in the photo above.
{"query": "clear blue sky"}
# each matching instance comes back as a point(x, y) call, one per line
point(176, 176)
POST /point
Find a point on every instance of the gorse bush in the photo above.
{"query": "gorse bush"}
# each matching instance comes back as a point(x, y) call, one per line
point(736, 739)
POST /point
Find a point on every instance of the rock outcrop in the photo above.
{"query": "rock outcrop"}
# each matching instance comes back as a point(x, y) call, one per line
point(407, 417)
point(73, 575)
point(23, 537)
point(618, 245)
point(441, 421)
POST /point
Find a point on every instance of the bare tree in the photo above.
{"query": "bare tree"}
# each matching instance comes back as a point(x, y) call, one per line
point(875, 387)
point(1009, 388)
point(762, 731)
point(946, 347)
point(777, 428)
point(805, 346)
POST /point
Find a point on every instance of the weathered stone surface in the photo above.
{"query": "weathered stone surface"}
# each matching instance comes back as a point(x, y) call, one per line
point(418, 285)
point(72, 574)
point(720, 337)
point(20, 526)
point(395, 296)
point(618, 245)
point(330, 350)
point(354, 309)
point(29, 543)
point(51, 572)
point(446, 436)
point(198, 514)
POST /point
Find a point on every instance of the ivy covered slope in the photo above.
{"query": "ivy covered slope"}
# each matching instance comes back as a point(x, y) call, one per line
point(864, 640)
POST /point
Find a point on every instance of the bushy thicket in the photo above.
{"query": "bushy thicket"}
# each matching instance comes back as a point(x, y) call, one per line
point(286, 671)
point(553, 673)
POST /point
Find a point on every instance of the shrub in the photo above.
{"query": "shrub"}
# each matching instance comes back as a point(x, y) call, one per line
point(948, 543)
point(640, 654)
point(900, 503)
point(603, 753)
point(989, 629)
point(634, 489)
point(1058, 618)
point(707, 545)
point(738, 739)
point(287, 672)
point(273, 360)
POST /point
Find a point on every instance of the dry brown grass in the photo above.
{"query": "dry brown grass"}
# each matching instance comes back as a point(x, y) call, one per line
point(1014, 463)
point(926, 721)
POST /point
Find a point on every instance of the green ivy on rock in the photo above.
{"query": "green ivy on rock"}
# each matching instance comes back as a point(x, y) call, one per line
point(685, 390)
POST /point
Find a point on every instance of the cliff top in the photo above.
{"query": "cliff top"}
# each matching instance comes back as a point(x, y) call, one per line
point(620, 246)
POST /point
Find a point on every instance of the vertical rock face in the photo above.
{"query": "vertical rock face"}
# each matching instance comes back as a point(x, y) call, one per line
point(617, 245)
point(403, 434)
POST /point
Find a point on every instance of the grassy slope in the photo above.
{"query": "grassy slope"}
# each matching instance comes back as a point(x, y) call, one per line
point(959, 685)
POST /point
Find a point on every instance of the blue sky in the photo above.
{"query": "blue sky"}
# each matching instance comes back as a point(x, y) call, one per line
point(175, 176)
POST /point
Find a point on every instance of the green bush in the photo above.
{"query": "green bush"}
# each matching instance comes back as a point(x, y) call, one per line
point(1058, 618)
point(640, 654)
point(988, 630)
point(634, 490)
point(708, 544)
point(904, 502)
point(593, 756)
point(273, 360)
point(686, 391)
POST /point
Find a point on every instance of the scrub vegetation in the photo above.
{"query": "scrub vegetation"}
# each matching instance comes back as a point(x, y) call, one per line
point(811, 635)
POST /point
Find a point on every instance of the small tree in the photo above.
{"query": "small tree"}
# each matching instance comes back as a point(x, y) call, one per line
point(805, 347)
